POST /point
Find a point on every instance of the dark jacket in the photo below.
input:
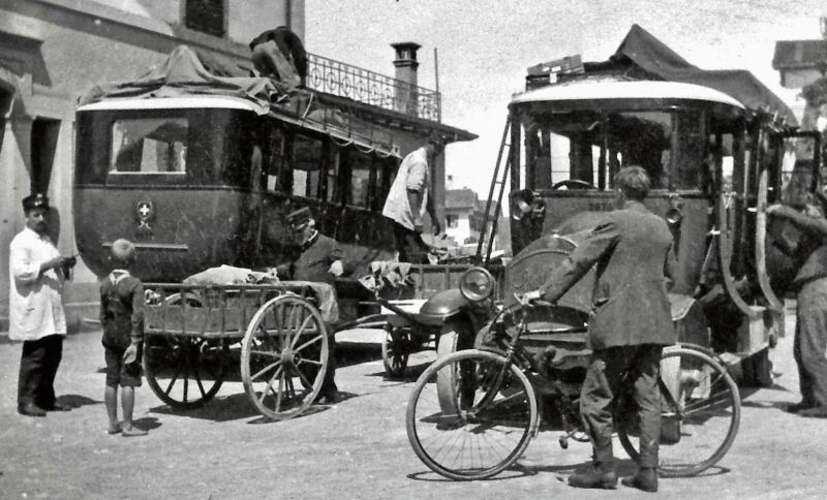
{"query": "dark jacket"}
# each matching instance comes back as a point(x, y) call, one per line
point(632, 249)
point(810, 250)
point(122, 310)
point(290, 45)
point(314, 261)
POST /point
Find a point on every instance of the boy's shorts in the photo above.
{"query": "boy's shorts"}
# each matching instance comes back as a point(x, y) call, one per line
point(119, 373)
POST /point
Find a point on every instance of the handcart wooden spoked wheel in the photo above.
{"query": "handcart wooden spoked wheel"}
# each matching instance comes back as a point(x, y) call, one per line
point(185, 371)
point(284, 356)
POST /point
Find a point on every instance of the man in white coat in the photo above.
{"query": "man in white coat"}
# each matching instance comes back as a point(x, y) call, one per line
point(36, 309)
point(410, 198)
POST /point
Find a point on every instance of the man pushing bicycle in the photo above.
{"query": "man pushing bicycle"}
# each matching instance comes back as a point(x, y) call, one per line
point(629, 325)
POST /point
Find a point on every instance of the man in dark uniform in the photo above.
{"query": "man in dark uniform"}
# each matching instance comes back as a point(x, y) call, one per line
point(630, 323)
point(320, 261)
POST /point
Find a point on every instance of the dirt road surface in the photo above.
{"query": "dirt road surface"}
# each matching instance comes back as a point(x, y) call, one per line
point(356, 449)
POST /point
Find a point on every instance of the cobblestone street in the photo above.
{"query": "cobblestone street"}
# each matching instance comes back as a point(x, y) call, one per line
point(355, 449)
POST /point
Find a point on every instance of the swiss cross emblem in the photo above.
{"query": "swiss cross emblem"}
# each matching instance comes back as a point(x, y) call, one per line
point(145, 211)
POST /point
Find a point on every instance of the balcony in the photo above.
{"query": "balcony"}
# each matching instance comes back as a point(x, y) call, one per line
point(337, 78)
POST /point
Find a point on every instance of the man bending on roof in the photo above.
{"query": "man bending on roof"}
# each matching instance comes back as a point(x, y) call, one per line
point(279, 54)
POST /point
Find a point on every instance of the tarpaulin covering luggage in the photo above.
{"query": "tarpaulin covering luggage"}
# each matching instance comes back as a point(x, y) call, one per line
point(654, 57)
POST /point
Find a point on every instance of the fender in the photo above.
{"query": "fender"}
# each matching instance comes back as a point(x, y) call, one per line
point(444, 304)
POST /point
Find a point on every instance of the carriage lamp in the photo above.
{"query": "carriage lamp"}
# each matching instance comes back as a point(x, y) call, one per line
point(674, 215)
point(526, 203)
point(476, 284)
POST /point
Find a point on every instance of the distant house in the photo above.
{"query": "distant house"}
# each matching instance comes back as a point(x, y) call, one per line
point(802, 65)
point(465, 215)
point(799, 62)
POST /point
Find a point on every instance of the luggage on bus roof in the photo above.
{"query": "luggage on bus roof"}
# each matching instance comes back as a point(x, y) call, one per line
point(653, 56)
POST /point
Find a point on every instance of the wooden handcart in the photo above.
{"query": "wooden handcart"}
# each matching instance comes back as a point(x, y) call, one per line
point(191, 332)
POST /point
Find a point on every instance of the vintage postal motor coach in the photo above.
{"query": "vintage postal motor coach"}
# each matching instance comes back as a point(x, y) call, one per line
point(713, 143)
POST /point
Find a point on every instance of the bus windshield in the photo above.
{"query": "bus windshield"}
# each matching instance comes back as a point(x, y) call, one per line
point(585, 148)
point(179, 146)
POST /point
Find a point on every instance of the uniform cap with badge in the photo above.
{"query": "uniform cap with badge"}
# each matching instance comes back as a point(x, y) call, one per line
point(298, 219)
point(35, 200)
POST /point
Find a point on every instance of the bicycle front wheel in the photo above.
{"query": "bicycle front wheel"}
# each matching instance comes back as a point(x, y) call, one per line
point(471, 415)
point(700, 413)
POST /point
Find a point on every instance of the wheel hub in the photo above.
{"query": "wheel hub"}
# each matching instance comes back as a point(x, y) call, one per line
point(288, 358)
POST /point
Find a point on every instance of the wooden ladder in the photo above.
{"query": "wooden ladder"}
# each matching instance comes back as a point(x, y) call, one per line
point(497, 182)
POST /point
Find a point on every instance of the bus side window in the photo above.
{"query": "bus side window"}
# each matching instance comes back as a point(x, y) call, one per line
point(307, 166)
point(689, 160)
point(360, 177)
point(257, 180)
point(334, 161)
point(390, 167)
point(383, 170)
point(275, 150)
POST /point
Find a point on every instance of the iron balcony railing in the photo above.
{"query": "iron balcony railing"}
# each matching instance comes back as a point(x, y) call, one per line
point(369, 87)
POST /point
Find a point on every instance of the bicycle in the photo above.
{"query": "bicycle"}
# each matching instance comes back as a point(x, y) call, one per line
point(472, 413)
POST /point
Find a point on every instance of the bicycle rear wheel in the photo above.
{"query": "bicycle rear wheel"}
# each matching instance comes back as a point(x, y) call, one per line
point(700, 413)
point(470, 416)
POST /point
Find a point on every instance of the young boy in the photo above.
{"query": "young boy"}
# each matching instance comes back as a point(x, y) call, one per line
point(122, 318)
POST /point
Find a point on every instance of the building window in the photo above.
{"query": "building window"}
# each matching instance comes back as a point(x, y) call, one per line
point(452, 221)
point(206, 16)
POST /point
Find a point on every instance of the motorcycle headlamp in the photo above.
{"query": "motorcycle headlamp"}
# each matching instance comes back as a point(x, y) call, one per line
point(476, 284)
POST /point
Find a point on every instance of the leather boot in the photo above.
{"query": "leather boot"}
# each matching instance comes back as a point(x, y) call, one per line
point(646, 479)
point(797, 407)
point(596, 475)
point(31, 410)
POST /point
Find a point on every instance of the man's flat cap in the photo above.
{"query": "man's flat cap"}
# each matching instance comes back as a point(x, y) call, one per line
point(35, 200)
point(435, 138)
point(299, 218)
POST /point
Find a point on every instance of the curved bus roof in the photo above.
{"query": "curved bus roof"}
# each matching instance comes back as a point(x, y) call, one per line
point(183, 102)
point(213, 101)
point(608, 89)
